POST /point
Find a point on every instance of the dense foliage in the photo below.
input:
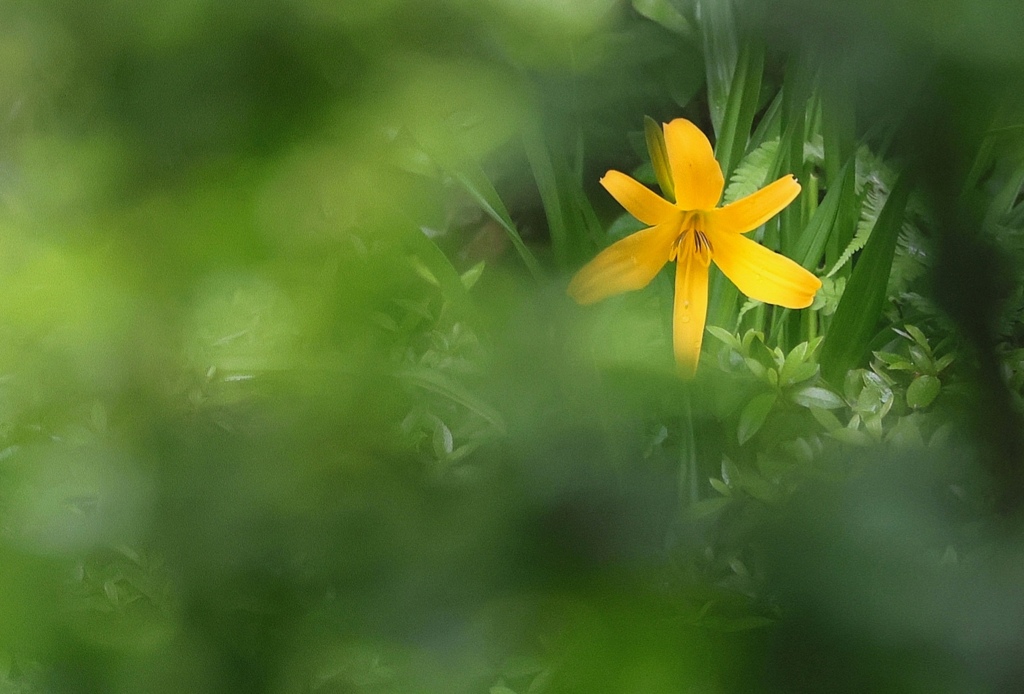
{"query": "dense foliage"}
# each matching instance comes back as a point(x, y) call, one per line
point(292, 398)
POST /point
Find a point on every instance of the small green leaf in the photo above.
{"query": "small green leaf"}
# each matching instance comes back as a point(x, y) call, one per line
point(720, 486)
point(730, 473)
point(423, 271)
point(470, 276)
point(754, 415)
point(852, 436)
point(922, 391)
point(918, 337)
point(798, 373)
point(921, 359)
point(664, 13)
point(817, 398)
point(894, 361)
point(756, 368)
point(795, 367)
point(725, 336)
point(943, 362)
point(748, 340)
point(826, 419)
point(906, 434)
point(707, 507)
point(443, 441)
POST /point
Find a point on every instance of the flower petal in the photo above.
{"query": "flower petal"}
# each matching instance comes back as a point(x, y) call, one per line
point(697, 176)
point(690, 310)
point(639, 200)
point(625, 265)
point(763, 274)
point(747, 214)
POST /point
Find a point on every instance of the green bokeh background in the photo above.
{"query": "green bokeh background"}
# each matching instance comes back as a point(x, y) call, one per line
point(258, 435)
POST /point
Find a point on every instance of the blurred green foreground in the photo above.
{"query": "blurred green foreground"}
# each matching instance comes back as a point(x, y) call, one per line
point(292, 399)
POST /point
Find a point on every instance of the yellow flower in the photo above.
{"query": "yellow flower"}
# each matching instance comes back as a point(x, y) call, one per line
point(693, 232)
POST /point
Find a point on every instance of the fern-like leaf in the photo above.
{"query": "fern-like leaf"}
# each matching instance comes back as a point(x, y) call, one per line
point(752, 172)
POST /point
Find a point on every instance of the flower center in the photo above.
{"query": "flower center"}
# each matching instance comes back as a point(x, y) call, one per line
point(691, 232)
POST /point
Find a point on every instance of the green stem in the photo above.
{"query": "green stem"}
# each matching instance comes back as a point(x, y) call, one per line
point(688, 489)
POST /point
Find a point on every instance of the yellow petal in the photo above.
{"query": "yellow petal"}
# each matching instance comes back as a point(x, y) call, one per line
point(754, 210)
point(690, 309)
point(763, 274)
point(639, 200)
point(697, 176)
point(625, 265)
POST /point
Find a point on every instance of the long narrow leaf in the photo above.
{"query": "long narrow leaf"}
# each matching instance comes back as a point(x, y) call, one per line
point(547, 184)
point(811, 244)
point(741, 107)
point(857, 314)
point(476, 183)
point(718, 35)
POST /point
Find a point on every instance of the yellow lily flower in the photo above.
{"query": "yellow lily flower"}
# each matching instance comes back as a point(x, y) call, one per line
point(693, 232)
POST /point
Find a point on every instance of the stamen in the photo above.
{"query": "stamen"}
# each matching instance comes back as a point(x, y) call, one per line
point(690, 232)
point(702, 247)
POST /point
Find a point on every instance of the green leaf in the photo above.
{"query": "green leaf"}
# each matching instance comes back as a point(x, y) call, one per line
point(707, 507)
point(943, 362)
point(664, 13)
point(918, 337)
point(922, 391)
point(752, 172)
point(852, 436)
point(826, 419)
point(725, 337)
point(796, 358)
point(423, 271)
point(817, 398)
point(439, 267)
point(543, 169)
point(470, 276)
point(754, 415)
point(718, 36)
point(798, 373)
point(720, 486)
point(921, 359)
point(436, 382)
point(659, 158)
point(479, 187)
point(894, 361)
point(855, 319)
point(811, 244)
point(740, 107)
point(443, 440)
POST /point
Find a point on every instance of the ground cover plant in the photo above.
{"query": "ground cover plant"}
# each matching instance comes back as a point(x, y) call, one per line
point(298, 392)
